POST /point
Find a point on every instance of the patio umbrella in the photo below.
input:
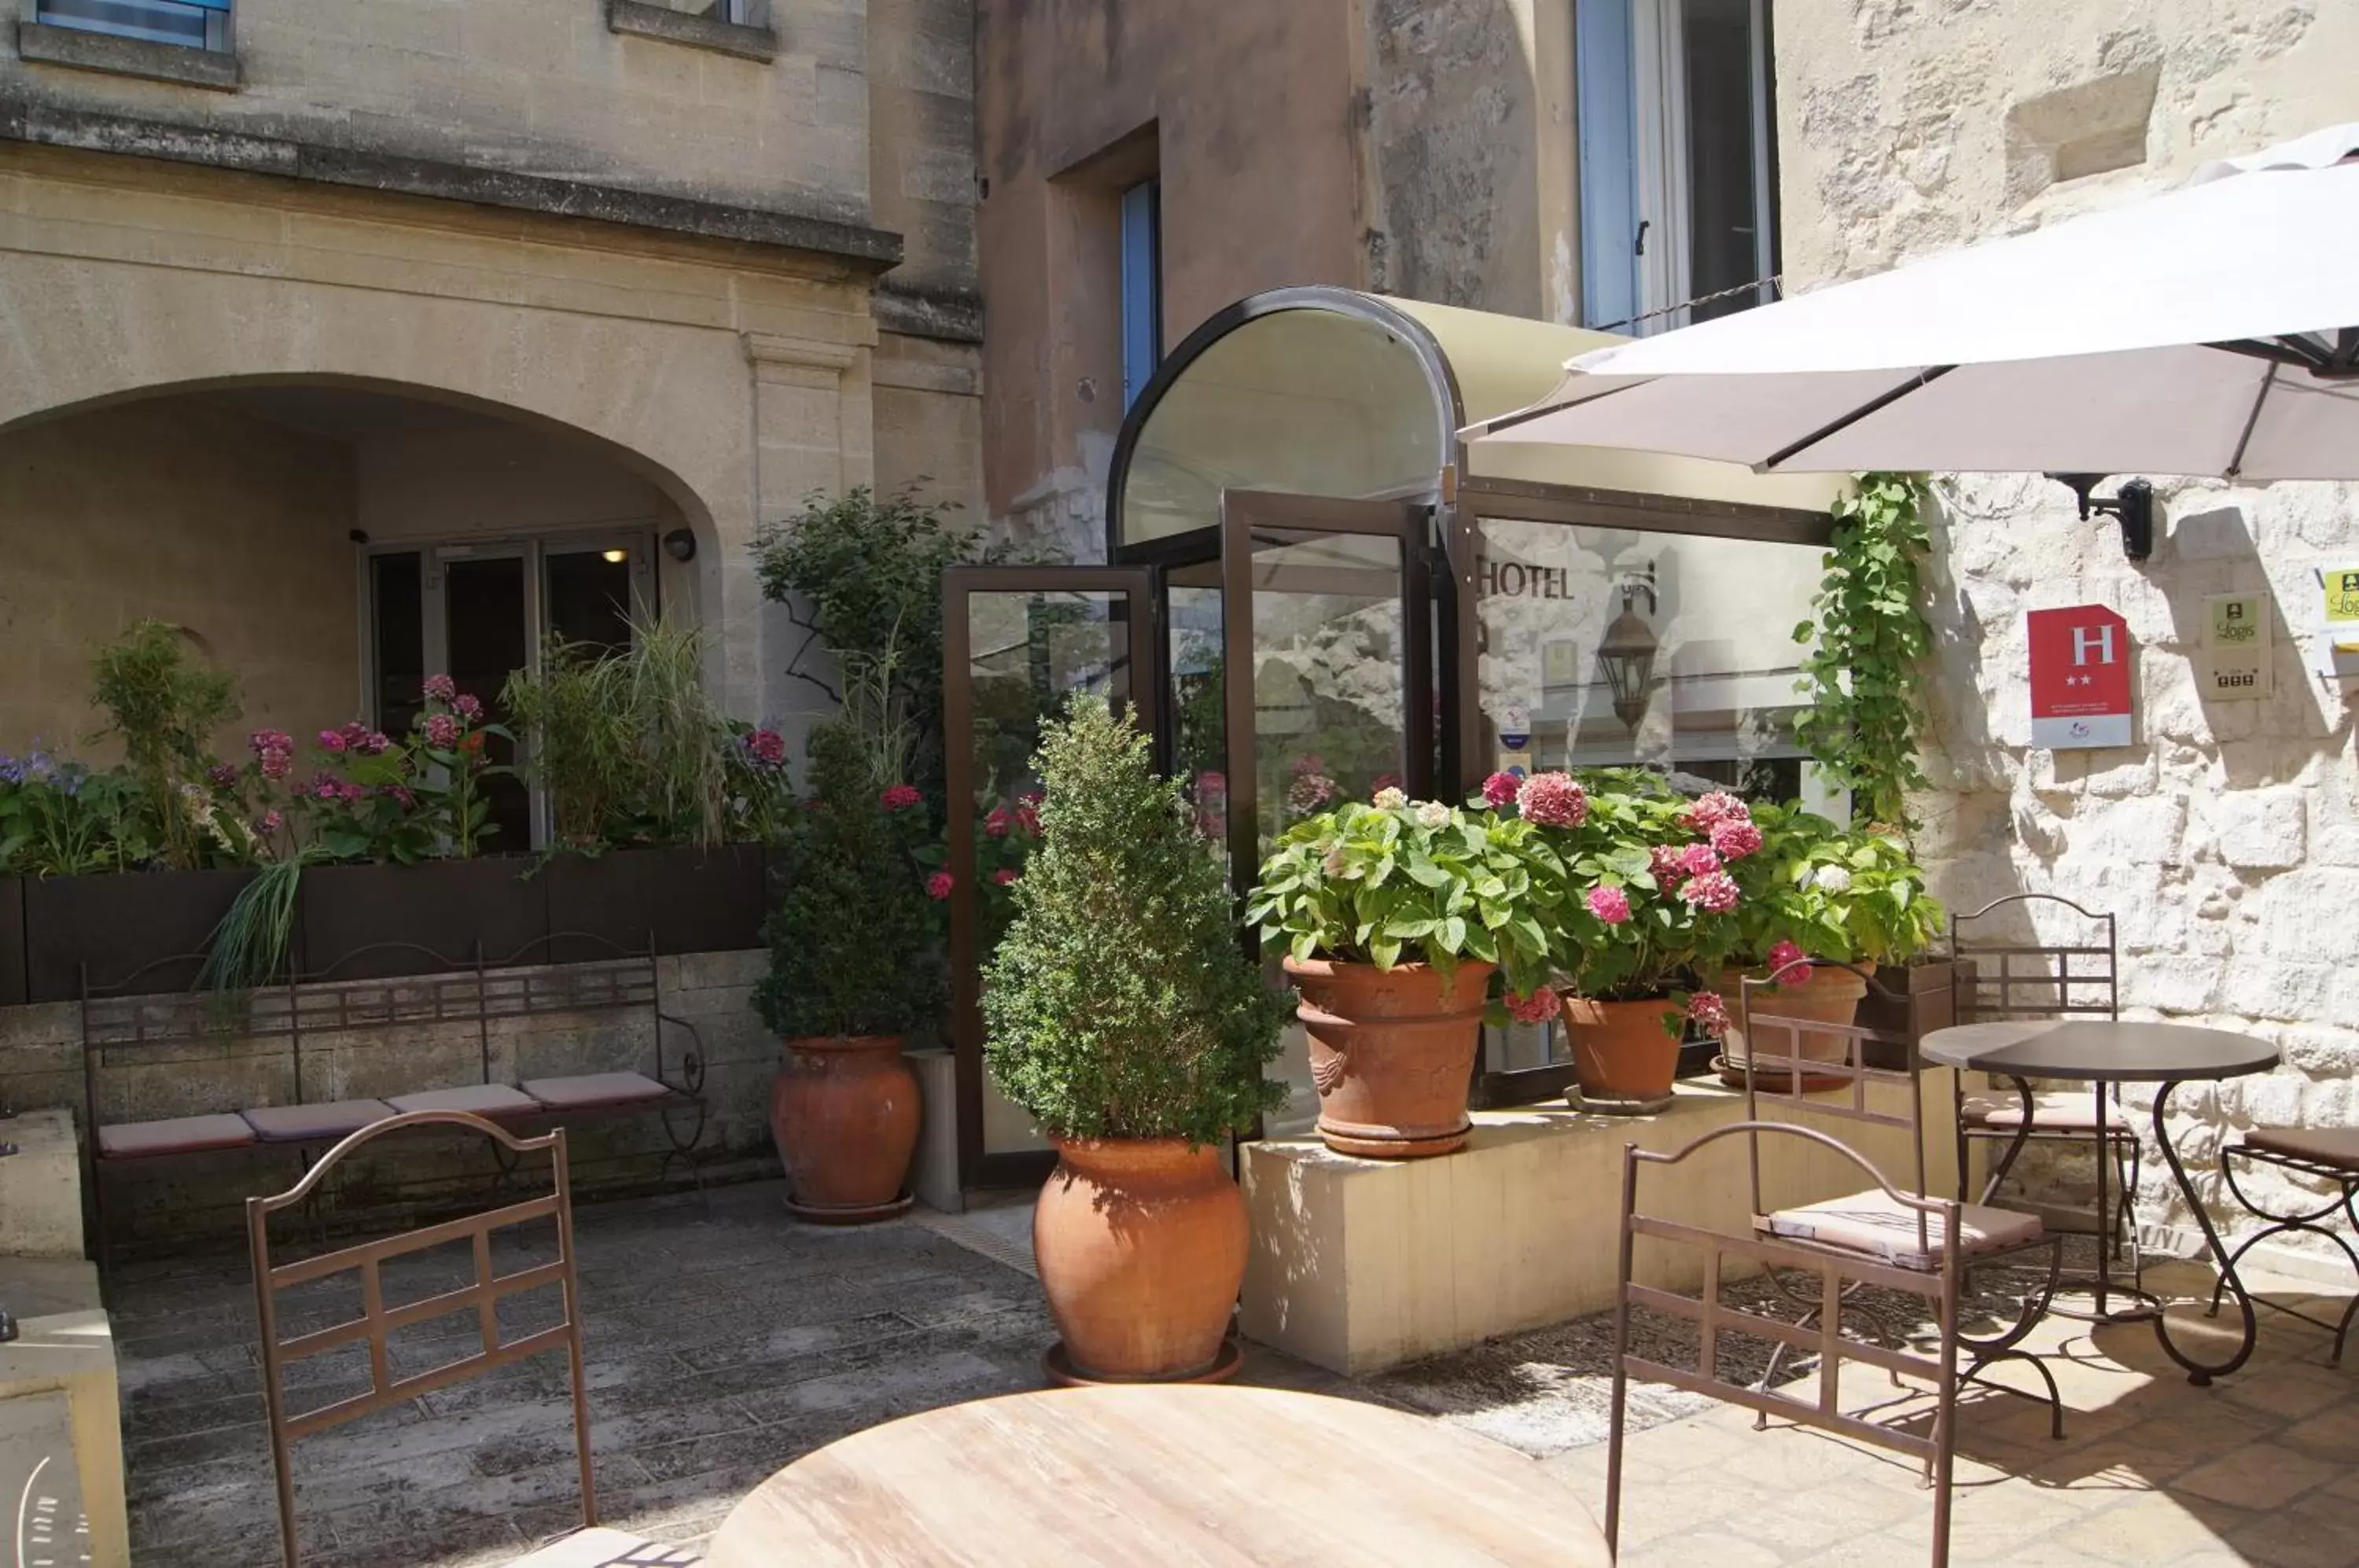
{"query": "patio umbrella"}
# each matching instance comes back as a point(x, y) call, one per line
point(2212, 330)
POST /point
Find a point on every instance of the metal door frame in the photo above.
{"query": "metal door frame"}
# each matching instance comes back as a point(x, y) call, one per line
point(1142, 587)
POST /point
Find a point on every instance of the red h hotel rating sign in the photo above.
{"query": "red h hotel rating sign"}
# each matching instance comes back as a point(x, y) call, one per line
point(2081, 678)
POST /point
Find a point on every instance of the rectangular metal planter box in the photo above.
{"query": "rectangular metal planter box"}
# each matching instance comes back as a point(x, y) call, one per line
point(692, 900)
point(12, 941)
point(439, 913)
point(119, 925)
point(1922, 1001)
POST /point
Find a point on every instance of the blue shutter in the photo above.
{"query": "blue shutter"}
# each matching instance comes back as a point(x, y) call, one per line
point(1142, 287)
point(1605, 71)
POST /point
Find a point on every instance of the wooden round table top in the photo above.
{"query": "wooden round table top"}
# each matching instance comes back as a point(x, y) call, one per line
point(1158, 1474)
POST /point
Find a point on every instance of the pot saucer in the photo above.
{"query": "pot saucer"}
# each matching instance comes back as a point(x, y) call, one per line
point(858, 1214)
point(1059, 1368)
point(1812, 1082)
point(1611, 1105)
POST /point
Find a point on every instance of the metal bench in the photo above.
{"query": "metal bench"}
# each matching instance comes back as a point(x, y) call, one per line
point(311, 1012)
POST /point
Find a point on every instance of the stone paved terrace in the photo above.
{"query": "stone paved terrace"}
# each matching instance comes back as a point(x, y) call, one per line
point(722, 1346)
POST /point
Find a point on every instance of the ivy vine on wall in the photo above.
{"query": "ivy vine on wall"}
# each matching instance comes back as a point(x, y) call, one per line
point(1864, 670)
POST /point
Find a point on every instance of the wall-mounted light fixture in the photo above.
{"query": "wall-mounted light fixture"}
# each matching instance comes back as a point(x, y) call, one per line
point(1625, 655)
point(2132, 505)
point(680, 544)
point(613, 557)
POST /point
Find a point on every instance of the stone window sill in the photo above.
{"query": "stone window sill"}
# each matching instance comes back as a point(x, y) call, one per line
point(651, 21)
point(49, 45)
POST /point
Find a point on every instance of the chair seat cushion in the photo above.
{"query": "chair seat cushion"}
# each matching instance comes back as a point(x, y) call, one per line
point(484, 1099)
point(2053, 1110)
point(593, 1090)
point(179, 1135)
point(1876, 1225)
point(2337, 1147)
point(602, 1548)
point(298, 1124)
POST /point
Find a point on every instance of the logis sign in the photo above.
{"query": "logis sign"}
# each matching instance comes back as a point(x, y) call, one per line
point(2080, 683)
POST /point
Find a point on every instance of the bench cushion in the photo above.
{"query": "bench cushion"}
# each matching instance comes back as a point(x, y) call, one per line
point(607, 1549)
point(484, 1099)
point(2054, 1111)
point(179, 1135)
point(298, 1124)
point(1877, 1225)
point(592, 1090)
point(2337, 1147)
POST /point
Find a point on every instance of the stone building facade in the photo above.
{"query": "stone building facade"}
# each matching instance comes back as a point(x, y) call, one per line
point(460, 281)
point(2227, 841)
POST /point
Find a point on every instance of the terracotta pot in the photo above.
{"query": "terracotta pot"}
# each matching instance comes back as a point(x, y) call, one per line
point(1392, 1053)
point(844, 1110)
point(1141, 1244)
point(1830, 995)
point(1621, 1052)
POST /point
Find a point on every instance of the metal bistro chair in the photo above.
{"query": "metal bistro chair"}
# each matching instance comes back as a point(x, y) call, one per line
point(377, 1320)
point(1881, 1235)
point(2017, 979)
point(2327, 1155)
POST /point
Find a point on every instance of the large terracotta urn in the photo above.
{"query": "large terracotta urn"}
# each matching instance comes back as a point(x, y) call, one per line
point(1830, 995)
point(1623, 1056)
point(1392, 1053)
point(844, 1109)
point(1141, 1244)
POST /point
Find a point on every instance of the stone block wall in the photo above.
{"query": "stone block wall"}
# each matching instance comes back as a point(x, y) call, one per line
point(41, 1066)
point(2227, 841)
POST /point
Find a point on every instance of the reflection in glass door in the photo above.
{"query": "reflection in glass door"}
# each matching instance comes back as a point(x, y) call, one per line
point(487, 619)
point(1020, 643)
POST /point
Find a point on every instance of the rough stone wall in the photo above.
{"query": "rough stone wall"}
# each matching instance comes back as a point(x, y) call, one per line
point(187, 513)
point(536, 86)
point(2227, 839)
point(41, 1066)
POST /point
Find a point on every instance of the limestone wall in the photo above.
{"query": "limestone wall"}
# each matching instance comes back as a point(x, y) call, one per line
point(41, 1066)
point(2227, 840)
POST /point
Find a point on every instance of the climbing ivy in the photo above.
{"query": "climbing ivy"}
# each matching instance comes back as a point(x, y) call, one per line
point(1864, 671)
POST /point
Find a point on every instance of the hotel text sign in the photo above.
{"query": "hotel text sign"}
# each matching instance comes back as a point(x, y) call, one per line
point(2080, 681)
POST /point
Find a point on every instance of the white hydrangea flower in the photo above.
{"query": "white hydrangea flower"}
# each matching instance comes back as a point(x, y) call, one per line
point(1832, 878)
point(1390, 798)
point(1433, 814)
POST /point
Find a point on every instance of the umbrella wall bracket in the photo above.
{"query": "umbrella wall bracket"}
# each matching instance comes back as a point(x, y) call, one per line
point(2132, 505)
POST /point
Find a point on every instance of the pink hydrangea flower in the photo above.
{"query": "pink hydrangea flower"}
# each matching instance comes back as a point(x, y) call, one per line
point(350, 792)
point(268, 822)
point(442, 731)
point(1709, 811)
point(1499, 791)
point(333, 740)
point(1789, 964)
point(405, 797)
point(899, 798)
point(1537, 1009)
point(1552, 799)
point(1714, 892)
point(1663, 860)
point(1709, 1012)
point(999, 823)
point(373, 743)
point(325, 787)
point(1697, 860)
point(768, 748)
point(441, 688)
point(1004, 875)
point(275, 751)
point(1027, 820)
point(1309, 791)
point(938, 884)
point(1609, 904)
point(468, 707)
point(221, 776)
point(1735, 841)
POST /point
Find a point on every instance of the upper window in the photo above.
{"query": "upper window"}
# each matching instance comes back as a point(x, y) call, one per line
point(192, 23)
point(1142, 287)
point(1678, 161)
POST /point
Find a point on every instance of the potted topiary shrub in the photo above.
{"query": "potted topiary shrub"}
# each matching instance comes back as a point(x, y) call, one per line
point(1121, 1017)
point(853, 972)
point(1392, 918)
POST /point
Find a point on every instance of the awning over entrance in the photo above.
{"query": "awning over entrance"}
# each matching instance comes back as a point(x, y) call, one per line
point(1323, 391)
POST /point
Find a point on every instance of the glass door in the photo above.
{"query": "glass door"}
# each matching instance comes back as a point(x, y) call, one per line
point(1329, 676)
point(488, 611)
point(1018, 642)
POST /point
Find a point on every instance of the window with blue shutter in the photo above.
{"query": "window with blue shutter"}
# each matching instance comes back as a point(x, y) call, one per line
point(193, 24)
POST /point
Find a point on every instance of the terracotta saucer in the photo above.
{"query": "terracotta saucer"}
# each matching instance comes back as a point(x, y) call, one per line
point(1059, 1367)
point(817, 1213)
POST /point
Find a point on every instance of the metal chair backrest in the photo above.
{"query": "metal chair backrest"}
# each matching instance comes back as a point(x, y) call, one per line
point(1780, 1077)
point(378, 1321)
point(2017, 974)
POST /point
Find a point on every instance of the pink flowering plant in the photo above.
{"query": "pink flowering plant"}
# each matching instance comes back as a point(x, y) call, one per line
point(1402, 881)
point(1006, 832)
point(1847, 895)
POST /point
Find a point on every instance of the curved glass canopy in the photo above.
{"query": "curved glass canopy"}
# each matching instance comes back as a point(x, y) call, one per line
point(1322, 391)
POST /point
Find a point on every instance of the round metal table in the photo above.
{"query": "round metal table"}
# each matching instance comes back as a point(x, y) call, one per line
point(2100, 1052)
point(1185, 1473)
